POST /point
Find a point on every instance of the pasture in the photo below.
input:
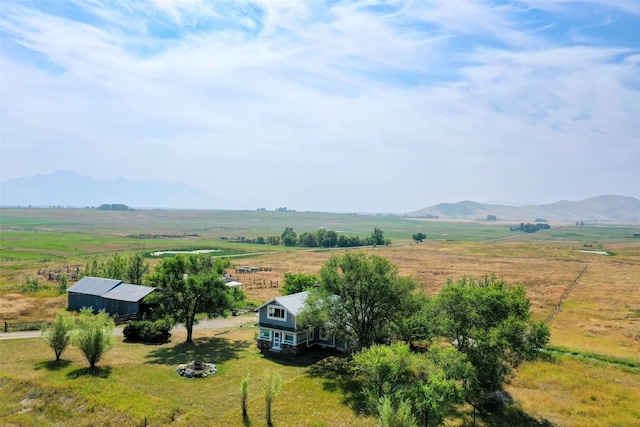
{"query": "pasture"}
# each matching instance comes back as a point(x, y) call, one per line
point(591, 303)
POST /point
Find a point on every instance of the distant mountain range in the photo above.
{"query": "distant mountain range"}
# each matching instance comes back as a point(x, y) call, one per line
point(601, 208)
point(64, 188)
point(69, 189)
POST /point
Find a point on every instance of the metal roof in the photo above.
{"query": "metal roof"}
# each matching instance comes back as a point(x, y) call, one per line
point(129, 293)
point(94, 286)
point(292, 303)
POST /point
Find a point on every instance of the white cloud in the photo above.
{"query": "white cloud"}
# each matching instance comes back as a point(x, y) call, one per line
point(349, 107)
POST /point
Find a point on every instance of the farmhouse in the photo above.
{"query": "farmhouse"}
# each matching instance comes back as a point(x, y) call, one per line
point(112, 296)
point(280, 332)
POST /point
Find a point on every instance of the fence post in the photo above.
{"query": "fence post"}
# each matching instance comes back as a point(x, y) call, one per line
point(6, 327)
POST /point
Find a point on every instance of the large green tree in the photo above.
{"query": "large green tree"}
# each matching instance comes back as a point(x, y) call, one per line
point(439, 382)
point(490, 322)
point(188, 285)
point(297, 282)
point(384, 371)
point(359, 298)
point(377, 237)
point(429, 384)
point(289, 237)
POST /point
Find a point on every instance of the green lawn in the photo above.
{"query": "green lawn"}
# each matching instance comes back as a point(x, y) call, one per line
point(136, 382)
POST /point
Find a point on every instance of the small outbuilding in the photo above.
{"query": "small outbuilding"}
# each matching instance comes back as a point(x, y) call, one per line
point(112, 296)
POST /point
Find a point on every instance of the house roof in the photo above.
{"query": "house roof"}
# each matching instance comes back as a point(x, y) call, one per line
point(94, 286)
point(292, 303)
point(129, 293)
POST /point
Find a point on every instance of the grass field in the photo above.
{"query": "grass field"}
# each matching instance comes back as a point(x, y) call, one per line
point(591, 301)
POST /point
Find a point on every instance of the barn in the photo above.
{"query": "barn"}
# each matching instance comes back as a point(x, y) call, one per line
point(112, 296)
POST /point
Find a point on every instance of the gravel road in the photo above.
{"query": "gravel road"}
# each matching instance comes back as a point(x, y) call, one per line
point(220, 323)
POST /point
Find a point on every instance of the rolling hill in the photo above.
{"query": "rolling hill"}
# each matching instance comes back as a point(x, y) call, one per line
point(601, 208)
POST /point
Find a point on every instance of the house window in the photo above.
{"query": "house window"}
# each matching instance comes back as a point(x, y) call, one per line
point(302, 337)
point(265, 334)
point(275, 312)
point(323, 335)
point(312, 334)
point(288, 338)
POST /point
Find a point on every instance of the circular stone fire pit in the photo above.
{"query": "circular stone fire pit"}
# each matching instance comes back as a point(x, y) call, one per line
point(196, 369)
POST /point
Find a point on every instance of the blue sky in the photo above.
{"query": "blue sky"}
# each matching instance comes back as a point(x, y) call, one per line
point(367, 106)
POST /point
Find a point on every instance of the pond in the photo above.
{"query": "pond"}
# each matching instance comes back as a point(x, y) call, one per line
point(195, 251)
point(593, 252)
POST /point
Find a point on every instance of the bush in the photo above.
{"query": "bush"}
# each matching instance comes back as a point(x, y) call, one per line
point(94, 335)
point(146, 331)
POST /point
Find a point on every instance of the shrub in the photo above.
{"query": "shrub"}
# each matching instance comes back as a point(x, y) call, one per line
point(58, 335)
point(146, 331)
point(94, 336)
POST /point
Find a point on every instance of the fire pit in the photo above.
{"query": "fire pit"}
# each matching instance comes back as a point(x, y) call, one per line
point(196, 369)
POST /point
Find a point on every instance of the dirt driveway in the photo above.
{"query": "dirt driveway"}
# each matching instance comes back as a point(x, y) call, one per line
point(220, 323)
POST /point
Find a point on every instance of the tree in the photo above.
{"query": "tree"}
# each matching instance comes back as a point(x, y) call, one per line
point(244, 391)
point(419, 237)
point(429, 384)
point(330, 239)
point(359, 298)
point(489, 321)
point(273, 240)
point(289, 237)
point(136, 269)
point(58, 335)
point(418, 326)
point(272, 384)
point(377, 237)
point(63, 283)
point(131, 268)
point(398, 415)
point(188, 285)
point(385, 371)
point(94, 336)
point(297, 282)
point(439, 385)
point(308, 240)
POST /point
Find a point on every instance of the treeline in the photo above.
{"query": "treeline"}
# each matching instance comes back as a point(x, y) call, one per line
point(114, 207)
point(529, 228)
point(131, 269)
point(321, 238)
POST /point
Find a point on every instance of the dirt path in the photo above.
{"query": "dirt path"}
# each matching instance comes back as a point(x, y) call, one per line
point(221, 323)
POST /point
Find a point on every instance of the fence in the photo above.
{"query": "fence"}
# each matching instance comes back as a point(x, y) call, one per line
point(22, 326)
point(259, 283)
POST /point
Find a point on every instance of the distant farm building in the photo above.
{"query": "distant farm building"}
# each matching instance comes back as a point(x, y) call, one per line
point(112, 296)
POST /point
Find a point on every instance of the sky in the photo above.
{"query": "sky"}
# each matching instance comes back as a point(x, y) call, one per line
point(366, 106)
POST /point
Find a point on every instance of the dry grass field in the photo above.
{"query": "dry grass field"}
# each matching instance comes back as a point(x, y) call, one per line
point(601, 313)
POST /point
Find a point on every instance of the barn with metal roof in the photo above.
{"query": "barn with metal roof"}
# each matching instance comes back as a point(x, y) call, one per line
point(112, 296)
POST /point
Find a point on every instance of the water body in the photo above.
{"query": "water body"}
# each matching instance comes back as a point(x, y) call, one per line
point(195, 251)
point(593, 252)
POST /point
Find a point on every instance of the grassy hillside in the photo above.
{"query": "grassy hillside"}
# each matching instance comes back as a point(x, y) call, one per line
point(601, 208)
